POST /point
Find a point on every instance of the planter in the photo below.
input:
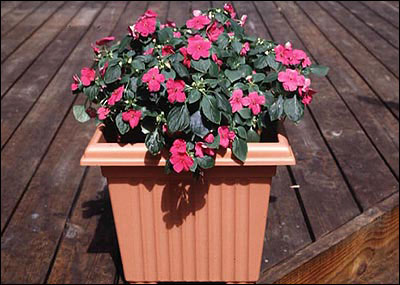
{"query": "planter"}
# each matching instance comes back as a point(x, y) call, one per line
point(175, 228)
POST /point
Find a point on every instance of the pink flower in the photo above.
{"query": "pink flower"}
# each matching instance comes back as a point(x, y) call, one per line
point(87, 76)
point(229, 8)
point(116, 95)
point(148, 51)
point(254, 101)
point(209, 138)
point(165, 128)
point(214, 31)
point(153, 79)
point(245, 49)
point(280, 54)
point(243, 20)
point(178, 146)
point(167, 50)
point(177, 34)
point(169, 24)
point(146, 26)
point(216, 60)
point(196, 13)
point(133, 117)
point(96, 50)
point(91, 112)
point(186, 56)
point(231, 34)
point(306, 62)
point(103, 69)
point(104, 40)
point(236, 100)
point(175, 90)
point(306, 92)
point(198, 47)
point(225, 136)
point(288, 45)
point(290, 79)
point(201, 149)
point(150, 14)
point(102, 113)
point(181, 161)
point(75, 85)
point(198, 22)
point(295, 56)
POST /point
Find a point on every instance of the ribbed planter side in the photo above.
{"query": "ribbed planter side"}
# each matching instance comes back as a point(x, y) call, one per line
point(215, 234)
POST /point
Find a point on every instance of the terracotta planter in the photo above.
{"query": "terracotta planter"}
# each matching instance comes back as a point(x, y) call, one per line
point(174, 228)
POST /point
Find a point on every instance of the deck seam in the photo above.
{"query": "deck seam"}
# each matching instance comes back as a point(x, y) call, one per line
point(379, 15)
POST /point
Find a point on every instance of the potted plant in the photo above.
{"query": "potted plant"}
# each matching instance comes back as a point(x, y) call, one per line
point(189, 138)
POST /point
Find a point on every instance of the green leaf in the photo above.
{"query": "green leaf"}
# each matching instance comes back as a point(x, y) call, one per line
point(319, 70)
point(194, 96)
point(272, 62)
point(252, 136)
point(276, 109)
point(205, 162)
point(233, 75)
point(223, 41)
point(209, 108)
point(214, 144)
point(261, 62)
point(245, 113)
point(293, 109)
point(125, 41)
point(201, 65)
point(237, 46)
point(178, 119)
point(241, 132)
point(122, 126)
point(154, 142)
point(272, 76)
point(258, 77)
point(164, 35)
point(180, 69)
point(80, 114)
point(239, 149)
point(197, 126)
point(168, 74)
point(269, 98)
point(137, 64)
point(91, 92)
point(112, 74)
point(133, 84)
point(223, 103)
point(214, 70)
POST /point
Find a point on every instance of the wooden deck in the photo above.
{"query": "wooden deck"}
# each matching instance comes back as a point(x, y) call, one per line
point(341, 225)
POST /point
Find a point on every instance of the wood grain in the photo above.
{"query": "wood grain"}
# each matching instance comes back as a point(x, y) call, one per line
point(8, 6)
point(385, 11)
point(344, 255)
point(11, 19)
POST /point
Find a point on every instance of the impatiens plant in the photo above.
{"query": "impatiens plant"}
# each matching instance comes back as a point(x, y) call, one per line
point(190, 91)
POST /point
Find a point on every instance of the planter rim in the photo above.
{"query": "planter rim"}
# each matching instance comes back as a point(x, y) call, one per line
point(100, 153)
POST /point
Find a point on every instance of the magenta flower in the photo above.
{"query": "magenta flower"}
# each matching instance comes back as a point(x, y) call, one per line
point(201, 149)
point(225, 136)
point(150, 14)
point(236, 100)
point(216, 60)
point(198, 47)
point(175, 91)
point(177, 34)
point(198, 22)
point(146, 25)
point(103, 69)
point(87, 76)
point(148, 51)
point(181, 161)
point(133, 117)
point(290, 79)
point(214, 31)
point(186, 56)
point(96, 50)
point(295, 56)
point(245, 49)
point(75, 85)
point(169, 24)
point(178, 146)
point(116, 95)
point(167, 50)
point(104, 40)
point(306, 62)
point(209, 138)
point(254, 102)
point(280, 54)
point(196, 13)
point(102, 113)
point(153, 79)
point(243, 20)
point(306, 92)
point(91, 112)
point(229, 8)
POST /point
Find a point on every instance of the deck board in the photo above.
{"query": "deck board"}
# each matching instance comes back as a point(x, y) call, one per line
point(56, 220)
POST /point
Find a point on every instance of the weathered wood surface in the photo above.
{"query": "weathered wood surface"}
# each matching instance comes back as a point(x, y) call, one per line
point(57, 226)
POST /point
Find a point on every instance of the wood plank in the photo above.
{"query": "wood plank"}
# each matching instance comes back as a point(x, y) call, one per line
point(385, 11)
point(383, 52)
point(200, 5)
point(11, 19)
point(386, 86)
point(343, 256)
point(311, 152)
point(26, 91)
point(26, 54)
point(8, 6)
point(388, 32)
point(161, 8)
point(379, 125)
point(57, 187)
point(179, 12)
point(27, 27)
point(31, 140)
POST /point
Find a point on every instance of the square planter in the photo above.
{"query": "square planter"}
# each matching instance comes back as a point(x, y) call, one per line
point(176, 228)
